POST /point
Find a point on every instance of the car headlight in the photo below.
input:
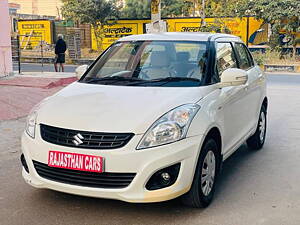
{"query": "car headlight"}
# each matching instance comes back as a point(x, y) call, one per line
point(31, 119)
point(31, 123)
point(171, 127)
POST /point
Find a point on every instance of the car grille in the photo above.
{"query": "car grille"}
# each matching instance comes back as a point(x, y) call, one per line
point(90, 140)
point(83, 178)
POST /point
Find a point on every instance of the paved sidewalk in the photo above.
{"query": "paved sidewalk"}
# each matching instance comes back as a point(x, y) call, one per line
point(20, 93)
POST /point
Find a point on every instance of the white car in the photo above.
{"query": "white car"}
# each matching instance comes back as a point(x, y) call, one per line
point(152, 119)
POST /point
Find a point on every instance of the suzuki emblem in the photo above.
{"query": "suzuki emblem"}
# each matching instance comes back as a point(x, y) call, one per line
point(78, 139)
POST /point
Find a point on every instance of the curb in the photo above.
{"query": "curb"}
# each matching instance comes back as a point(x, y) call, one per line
point(50, 60)
point(38, 82)
point(282, 68)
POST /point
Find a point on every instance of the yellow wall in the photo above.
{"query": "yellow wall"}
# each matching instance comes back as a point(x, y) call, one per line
point(237, 27)
point(36, 28)
point(121, 29)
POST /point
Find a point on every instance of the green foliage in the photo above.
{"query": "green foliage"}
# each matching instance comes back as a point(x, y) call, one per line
point(136, 9)
point(173, 8)
point(223, 8)
point(273, 56)
point(272, 11)
point(169, 8)
point(217, 26)
point(95, 12)
point(283, 15)
point(90, 11)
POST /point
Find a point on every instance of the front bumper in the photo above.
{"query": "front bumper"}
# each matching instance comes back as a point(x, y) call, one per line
point(125, 160)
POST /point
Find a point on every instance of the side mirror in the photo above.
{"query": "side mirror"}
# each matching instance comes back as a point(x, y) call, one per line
point(233, 77)
point(80, 70)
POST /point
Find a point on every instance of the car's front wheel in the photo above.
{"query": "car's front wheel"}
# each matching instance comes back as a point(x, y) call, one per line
point(203, 187)
point(257, 140)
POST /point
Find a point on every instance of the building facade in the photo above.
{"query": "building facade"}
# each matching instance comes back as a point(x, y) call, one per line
point(39, 7)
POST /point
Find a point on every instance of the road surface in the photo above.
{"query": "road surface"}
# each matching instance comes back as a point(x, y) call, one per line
point(255, 188)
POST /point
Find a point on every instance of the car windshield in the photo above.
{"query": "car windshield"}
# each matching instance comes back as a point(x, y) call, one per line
point(150, 63)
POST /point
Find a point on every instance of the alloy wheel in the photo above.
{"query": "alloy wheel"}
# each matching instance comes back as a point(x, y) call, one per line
point(262, 126)
point(208, 173)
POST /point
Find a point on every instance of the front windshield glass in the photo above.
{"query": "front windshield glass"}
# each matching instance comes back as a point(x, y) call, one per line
point(150, 63)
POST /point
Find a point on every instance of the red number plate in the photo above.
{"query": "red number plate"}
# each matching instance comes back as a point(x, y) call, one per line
point(76, 161)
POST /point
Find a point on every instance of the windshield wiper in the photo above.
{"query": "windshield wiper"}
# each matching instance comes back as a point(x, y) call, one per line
point(165, 80)
point(174, 79)
point(114, 78)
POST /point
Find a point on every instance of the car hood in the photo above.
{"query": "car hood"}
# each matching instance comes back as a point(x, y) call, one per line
point(106, 108)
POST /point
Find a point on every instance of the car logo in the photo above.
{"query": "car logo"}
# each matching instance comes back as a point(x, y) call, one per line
point(78, 139)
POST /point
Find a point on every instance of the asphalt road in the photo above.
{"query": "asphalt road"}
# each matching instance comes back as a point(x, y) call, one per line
point(255, 188)
point(37, 67)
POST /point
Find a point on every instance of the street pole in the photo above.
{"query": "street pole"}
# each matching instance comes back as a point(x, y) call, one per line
point(194, 12)
point(155, 13)
point(42, 54)
point(247, 32)
point(203, 23)
point(19, 53)
point(156, 25)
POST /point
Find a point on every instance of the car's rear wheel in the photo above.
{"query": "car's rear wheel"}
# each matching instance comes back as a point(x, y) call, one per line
point(203, 187)
point(257, 140)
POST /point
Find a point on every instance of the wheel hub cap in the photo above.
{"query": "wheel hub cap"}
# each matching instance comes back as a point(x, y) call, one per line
point(262, 126)
point(208, 173)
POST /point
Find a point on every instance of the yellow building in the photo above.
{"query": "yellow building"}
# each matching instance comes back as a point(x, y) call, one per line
point(39, 7)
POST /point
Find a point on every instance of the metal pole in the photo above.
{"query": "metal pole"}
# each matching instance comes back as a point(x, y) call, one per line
point(194, 12)
point(42, 54)
point(203, 23)
point(75, 45)
point(19, 53)
point(155, 14)
point(247, 32)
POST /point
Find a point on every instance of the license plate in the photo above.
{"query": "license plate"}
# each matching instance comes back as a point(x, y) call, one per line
point(76, 161)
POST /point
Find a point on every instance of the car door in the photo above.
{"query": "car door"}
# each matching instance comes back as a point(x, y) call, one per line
point(252, 87)
point(232, 105)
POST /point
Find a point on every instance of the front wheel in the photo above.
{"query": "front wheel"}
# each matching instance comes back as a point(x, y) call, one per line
point(203, 187)
point(257, 140)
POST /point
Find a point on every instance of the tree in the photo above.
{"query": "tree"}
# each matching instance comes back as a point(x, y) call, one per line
point(223, 8)
point(136, 9)
point(282, 15)
point(95, 12)
point(217, 26)
point(173, 8)
point(169, 8)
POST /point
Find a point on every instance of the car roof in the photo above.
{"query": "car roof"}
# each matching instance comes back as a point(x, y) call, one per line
point(181, 36)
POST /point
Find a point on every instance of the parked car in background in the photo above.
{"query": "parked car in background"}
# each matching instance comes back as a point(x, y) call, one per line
point(152, 119)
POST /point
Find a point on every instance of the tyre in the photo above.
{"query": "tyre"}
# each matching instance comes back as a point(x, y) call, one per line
point(257, 140)
point(203, 186)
